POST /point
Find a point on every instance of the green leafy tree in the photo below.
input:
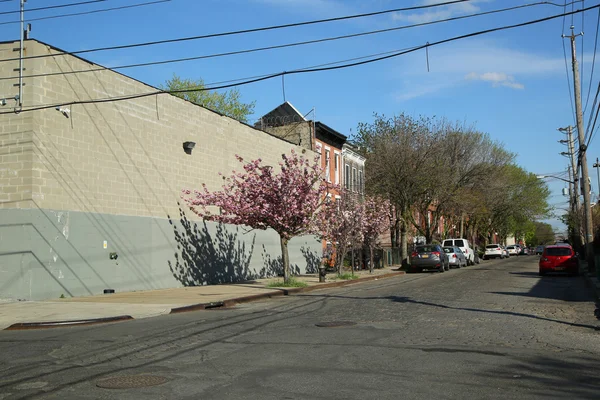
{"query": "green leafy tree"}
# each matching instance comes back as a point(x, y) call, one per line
point(227, 103)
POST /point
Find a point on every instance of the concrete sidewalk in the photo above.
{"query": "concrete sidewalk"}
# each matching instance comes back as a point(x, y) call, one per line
point(151, 303)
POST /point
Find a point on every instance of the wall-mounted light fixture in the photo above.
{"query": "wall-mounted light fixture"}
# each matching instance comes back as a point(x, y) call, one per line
point(65, 111)
point(188, 147)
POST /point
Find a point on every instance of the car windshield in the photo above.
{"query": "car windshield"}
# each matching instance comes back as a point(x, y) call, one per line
point(448, 249)
point(510, 247)
point(492, 246)
point(558, 251)
point(426, 249)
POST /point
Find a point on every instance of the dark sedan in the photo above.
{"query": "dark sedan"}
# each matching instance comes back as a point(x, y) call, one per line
point(429, 256)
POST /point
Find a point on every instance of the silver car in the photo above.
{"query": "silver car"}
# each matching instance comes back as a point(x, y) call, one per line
point(456, 258)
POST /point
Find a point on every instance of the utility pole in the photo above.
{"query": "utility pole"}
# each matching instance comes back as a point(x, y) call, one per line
point(582, 160)
point(597, 166)
point(575, 202)
point(571, 145)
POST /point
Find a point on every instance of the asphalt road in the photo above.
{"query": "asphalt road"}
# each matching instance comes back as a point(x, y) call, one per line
point(491, 331)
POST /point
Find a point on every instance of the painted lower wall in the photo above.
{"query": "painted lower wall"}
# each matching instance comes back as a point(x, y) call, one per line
point(48, 253)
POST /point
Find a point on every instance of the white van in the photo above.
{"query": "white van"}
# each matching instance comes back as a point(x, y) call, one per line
point(465, 246)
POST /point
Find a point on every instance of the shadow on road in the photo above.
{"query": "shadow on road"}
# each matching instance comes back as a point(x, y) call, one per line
point(545, 377)
point(408, 300)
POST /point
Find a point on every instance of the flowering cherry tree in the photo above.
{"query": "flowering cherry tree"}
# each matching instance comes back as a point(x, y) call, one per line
point(376, 220)
point(262, 198)
point(340, 223)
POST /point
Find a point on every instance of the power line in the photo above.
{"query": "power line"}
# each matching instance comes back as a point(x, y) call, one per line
point(86, 12)
point(299, 71)
point(213, 35)
point(53, 7)
point(566, 63)
point(253, 50)
point(593, 63)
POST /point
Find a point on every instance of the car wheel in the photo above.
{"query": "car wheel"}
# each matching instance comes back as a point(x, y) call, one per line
point(448, 267)
point(442, 268)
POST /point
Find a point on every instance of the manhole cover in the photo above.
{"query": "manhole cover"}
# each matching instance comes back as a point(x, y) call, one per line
point(131, 381)
point(335, 324)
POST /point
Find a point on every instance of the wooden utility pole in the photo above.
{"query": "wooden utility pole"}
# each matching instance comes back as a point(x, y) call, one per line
point(582, 160)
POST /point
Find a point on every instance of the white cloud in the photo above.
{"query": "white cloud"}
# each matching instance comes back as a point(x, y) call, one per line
point(458, 64)
point(441, 12)
point(496, 78)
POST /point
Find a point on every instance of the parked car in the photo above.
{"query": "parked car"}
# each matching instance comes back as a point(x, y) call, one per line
point(493, 251)
point(513, 250)
point(456, 258)
point(559, 258)
point(524, 251)
point(539, 250)
point(429, 256)
point(464, 246)
point(506, 253)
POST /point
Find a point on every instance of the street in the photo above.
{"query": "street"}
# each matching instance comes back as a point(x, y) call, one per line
point(490, 331)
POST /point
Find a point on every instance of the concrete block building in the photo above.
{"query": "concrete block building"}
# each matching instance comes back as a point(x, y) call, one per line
point(90, 191)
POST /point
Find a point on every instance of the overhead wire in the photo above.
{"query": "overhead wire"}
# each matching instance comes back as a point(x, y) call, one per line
point(566, 63)
point(593, 64)
point(87, 12)
point(252, 30)
point(265, 48)
point(81, 3)
point(298, 71)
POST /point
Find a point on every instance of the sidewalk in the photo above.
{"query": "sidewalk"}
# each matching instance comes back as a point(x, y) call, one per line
point(151, 303)
point(590, 277)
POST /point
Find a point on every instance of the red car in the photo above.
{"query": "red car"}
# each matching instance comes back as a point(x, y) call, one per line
point(559, 258)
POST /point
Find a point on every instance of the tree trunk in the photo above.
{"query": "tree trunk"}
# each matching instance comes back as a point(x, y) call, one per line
point(285, 257)
point(340, 255)
point(371, 259)
point(462, 226)
point(403, 244)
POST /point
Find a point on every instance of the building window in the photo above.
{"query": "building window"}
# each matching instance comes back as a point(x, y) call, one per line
point(361, 188)
point(354, 185)
point(318, 148)
point(327, 165)
point(347, 176)
point(336, 160)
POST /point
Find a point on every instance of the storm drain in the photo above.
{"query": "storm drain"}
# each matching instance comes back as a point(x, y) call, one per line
point(335, 324)
point(131, 381)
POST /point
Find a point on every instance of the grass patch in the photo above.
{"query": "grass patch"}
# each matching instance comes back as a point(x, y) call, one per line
point(347, 276)
point(292, 283)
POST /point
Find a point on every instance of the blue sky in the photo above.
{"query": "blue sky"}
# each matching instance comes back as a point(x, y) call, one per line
point(511, 84)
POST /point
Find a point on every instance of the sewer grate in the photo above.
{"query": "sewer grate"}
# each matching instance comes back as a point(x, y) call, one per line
point(335, 324)
point(131, 381)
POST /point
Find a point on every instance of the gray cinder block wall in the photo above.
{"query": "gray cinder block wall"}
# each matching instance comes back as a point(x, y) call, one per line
point(108, 179)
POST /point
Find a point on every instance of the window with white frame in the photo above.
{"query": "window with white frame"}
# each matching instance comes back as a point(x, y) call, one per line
point(318, 148)
point(327, 165)
point(347, 176)
point(361, 187)
point(354, 185)
point(336, 168)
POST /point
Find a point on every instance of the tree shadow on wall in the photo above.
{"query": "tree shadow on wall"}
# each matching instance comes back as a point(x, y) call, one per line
point(204, 259)
point(312, 260)
point(274, 266)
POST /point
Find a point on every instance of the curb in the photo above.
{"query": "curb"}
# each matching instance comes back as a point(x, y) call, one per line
point(280, 292)
point(200, 306)
point(61, 324)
